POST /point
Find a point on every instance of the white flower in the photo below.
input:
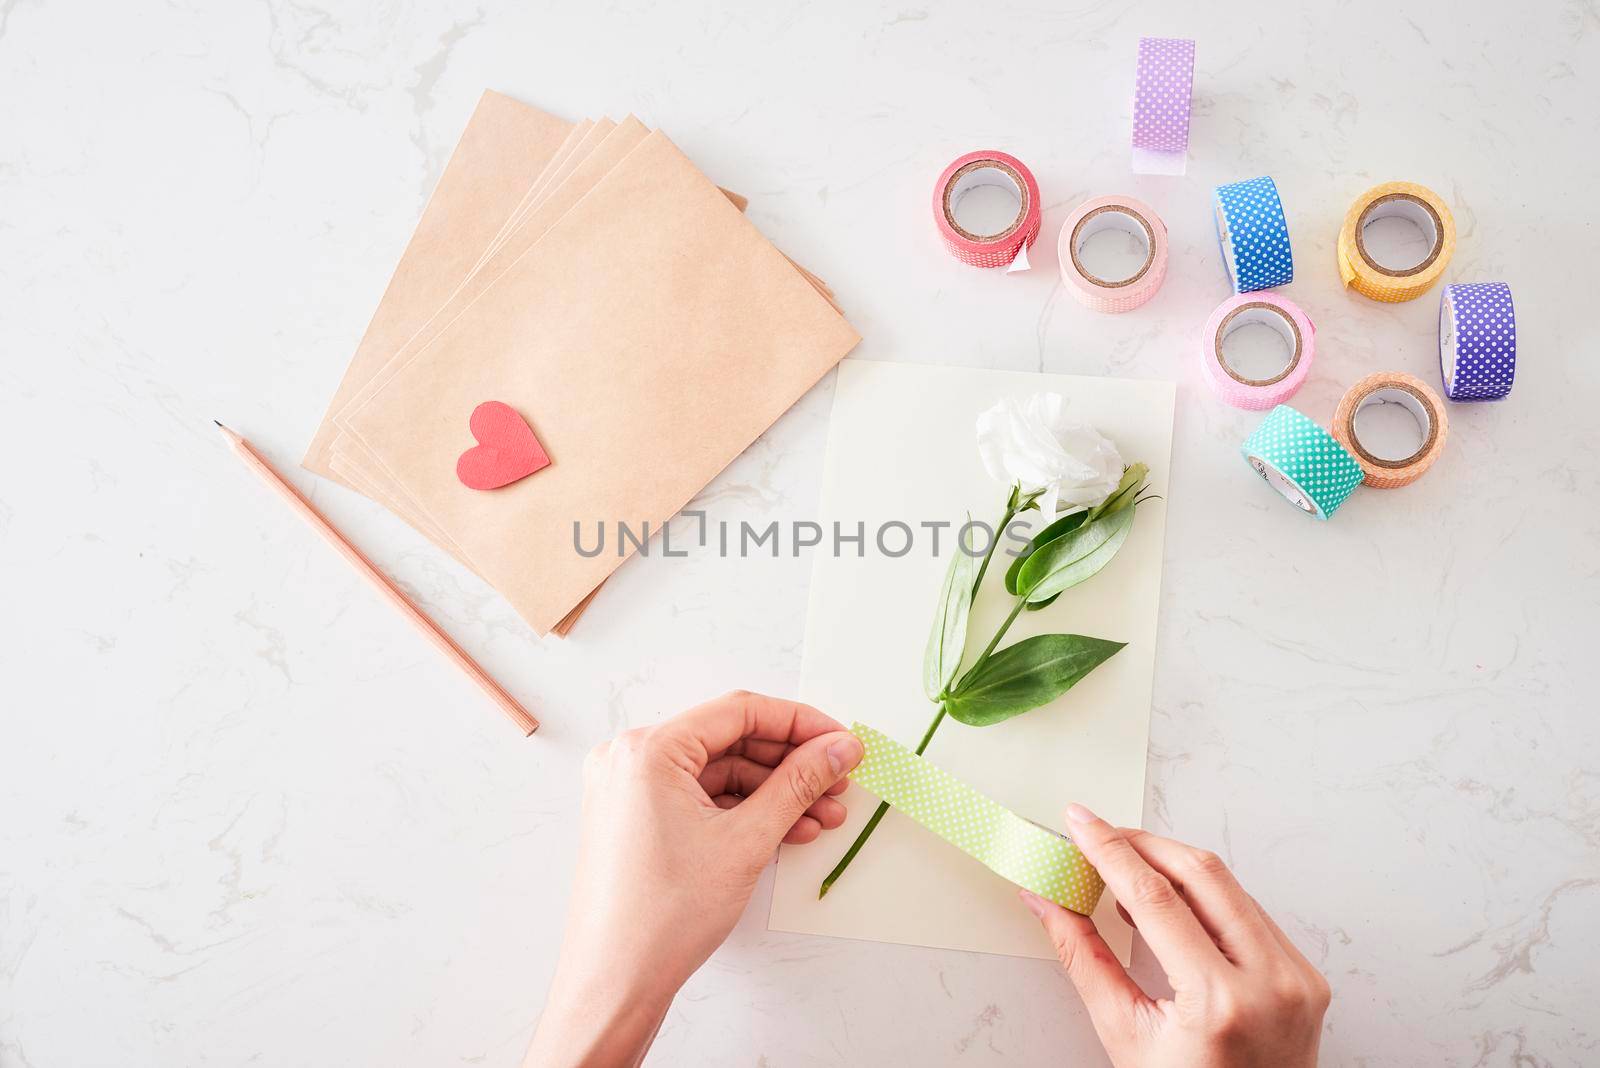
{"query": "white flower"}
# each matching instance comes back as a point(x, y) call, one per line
point(1035, 444)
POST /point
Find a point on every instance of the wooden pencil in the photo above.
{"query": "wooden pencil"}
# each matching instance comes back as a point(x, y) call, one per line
point(431, 630)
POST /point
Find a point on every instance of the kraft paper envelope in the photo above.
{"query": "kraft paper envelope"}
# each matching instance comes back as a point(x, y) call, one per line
point(606, 154)
point(901, 446)
point(505, 145)
point(582, 140)
point(650, 339)
point(574, 137)
point(357, 467)
point(349, 459)
point(598, 131)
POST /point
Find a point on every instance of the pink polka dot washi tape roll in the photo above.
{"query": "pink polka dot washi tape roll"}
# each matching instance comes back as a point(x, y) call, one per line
point(1007, 248)
point(1260, 391)
point(1113, 213)
point(1161, 102)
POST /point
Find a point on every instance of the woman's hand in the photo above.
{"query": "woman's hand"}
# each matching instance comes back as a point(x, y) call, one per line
point(1243, 995)
point(678, 822)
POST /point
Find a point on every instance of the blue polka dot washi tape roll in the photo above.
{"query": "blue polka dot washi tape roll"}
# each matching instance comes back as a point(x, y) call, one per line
point(1477, 341)
point(1012, 846)
point(1302, 461)
point(1253, 235)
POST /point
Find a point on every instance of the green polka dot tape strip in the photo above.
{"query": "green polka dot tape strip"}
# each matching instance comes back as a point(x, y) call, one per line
point(1302, 461)
point(1034, 857)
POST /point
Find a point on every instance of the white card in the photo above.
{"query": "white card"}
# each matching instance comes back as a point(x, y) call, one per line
point(902, 446)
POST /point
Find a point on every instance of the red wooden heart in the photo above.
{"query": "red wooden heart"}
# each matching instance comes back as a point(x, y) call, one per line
point(506, 451)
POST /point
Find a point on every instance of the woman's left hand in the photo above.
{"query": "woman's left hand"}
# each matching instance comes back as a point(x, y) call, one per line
point(678, 822)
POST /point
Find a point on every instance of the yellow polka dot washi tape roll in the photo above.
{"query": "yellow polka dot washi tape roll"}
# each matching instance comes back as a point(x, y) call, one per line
point(1029, 855)
point(1392, 387)
point(1405, 200)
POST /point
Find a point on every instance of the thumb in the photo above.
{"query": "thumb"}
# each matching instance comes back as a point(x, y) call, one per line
point(801, 779)
point(1108, 992)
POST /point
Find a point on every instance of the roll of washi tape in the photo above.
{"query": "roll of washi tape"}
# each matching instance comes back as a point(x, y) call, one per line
point(1404, 200)
point(1113, 213)
point(1265, 309)
point(1253, 235)
point(1162, 90)
point(1392, 387)
point(1012, 846)
point(1009, 246)
point(1302, 461)
point(1477, 341)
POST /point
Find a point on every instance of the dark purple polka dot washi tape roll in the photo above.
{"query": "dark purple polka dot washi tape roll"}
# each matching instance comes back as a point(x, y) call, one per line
point(1477, 341)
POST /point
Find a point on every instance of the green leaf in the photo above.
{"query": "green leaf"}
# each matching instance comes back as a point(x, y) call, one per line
point(1078, 555)
point(948, 638)
point(1020, 677)
point(1064, 525)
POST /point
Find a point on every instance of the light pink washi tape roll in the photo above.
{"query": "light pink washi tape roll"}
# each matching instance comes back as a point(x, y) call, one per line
point(1113, 213)
point(1267, 309)
point(1162, 92)
point(1007, 248)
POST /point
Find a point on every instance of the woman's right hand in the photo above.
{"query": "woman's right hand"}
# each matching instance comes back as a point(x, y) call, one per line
point(1242, 994)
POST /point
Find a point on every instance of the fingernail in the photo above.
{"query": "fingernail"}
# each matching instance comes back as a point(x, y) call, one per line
point(1031, 900)
point(844, 754)
point(1079, 814)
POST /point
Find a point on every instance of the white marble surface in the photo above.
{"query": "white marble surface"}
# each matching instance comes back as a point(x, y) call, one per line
point(247, 817)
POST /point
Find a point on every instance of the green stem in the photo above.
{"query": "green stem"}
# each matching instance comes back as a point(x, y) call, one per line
point(927, 736)
point(1011, 513)
point(1016, 610)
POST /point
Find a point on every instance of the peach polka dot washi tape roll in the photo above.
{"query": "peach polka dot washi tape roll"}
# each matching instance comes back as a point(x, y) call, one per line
point(1113, 213)
point(1267, 309)
point(1405, 200)
point(1008, 247)
point(1392, 387)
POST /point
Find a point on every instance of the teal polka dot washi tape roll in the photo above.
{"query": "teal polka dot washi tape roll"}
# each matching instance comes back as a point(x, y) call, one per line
point(1302, 461)
point(1253, 235)
point(1033, 857)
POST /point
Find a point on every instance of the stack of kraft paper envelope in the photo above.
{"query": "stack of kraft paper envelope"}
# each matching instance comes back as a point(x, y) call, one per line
point(589, 277)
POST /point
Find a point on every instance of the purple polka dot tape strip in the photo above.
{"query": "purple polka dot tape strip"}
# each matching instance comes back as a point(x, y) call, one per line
point(1014, 848)
point(1161, 102)
point(1477, 341)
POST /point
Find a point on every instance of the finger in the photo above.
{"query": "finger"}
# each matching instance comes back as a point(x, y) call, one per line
point(828, 812)
point(760, 750)
point(801, 781)
point(804, 831)
point(718, 724)
point(1214, 895)
point(1108, 992)
point(733, 775)
point(1164, 919)
point(740, 775)
point(771, 754)
point(1283, 939)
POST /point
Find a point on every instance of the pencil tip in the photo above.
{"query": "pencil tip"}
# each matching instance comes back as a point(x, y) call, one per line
point(214, 421)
